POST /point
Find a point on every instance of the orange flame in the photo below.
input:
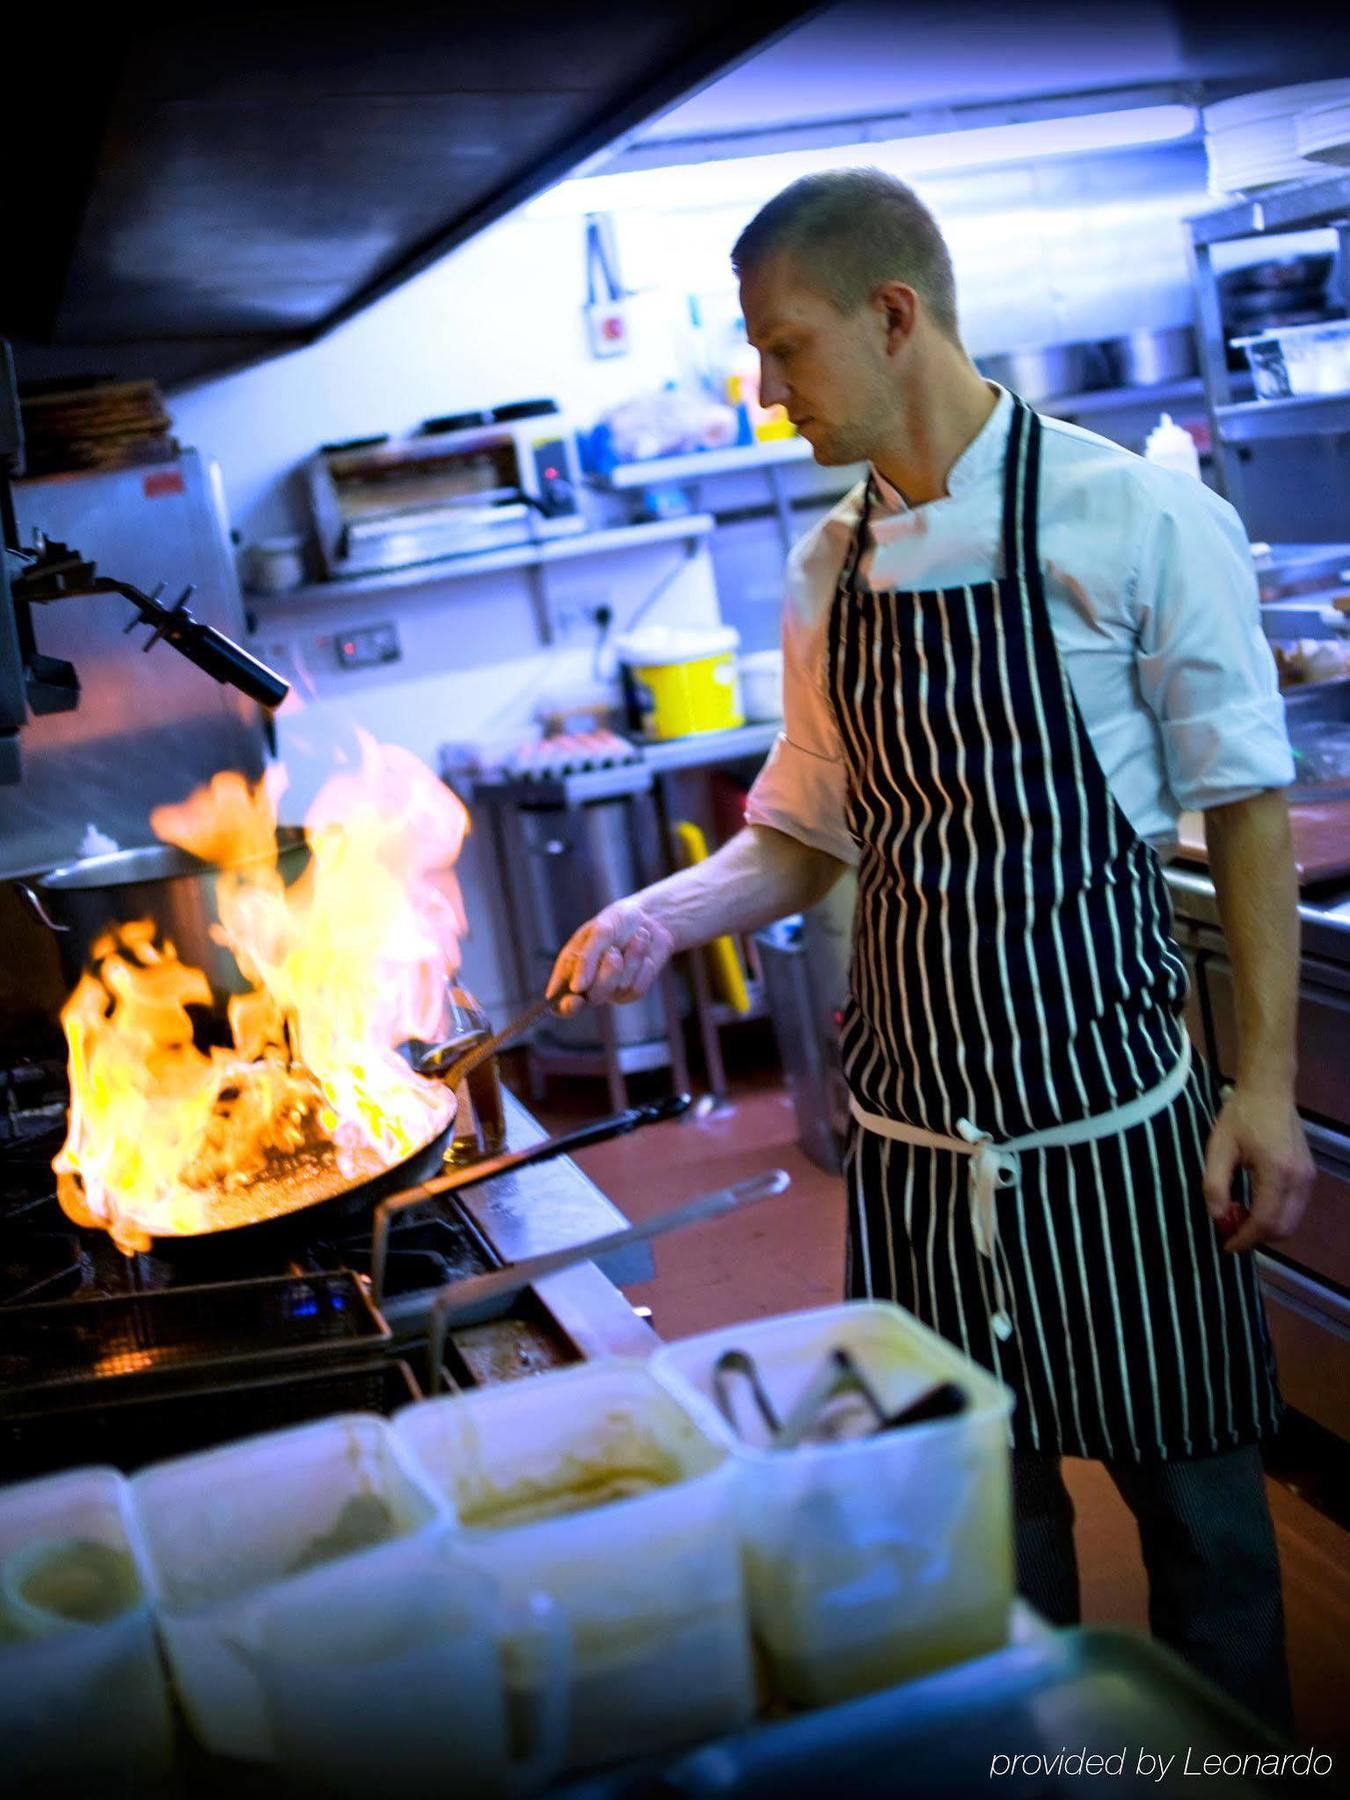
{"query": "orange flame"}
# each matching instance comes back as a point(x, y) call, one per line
point(344, 965)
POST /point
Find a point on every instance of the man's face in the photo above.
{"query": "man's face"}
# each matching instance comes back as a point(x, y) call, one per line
point(826, 367)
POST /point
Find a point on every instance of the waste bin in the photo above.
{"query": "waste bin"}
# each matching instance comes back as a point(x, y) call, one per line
point(807, 1039)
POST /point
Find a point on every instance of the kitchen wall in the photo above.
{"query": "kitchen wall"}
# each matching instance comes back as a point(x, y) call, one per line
point(1045, 252)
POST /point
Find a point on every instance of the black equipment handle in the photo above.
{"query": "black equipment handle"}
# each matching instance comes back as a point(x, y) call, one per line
point(227, 661)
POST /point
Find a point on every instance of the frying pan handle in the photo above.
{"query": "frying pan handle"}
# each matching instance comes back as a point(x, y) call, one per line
point(480, 1298)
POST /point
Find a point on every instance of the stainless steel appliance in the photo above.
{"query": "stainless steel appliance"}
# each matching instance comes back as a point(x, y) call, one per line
point(108, 733)
point(474, 482)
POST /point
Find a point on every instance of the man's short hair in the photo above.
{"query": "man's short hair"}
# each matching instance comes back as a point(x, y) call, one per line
point(849, 230)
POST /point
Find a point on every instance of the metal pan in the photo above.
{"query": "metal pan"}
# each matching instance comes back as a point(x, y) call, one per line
point(311, 1198)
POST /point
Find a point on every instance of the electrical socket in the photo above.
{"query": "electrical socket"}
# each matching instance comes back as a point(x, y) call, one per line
point(597, 617)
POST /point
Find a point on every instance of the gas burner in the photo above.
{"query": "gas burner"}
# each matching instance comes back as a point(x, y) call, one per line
point(33, 1099)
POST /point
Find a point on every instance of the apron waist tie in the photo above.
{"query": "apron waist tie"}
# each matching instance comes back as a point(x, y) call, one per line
point(994, 1166)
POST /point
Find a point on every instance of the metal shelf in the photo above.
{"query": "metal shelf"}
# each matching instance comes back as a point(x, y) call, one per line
point(1295, 206)
point(656, 471)
point(485, 562)
point(1163, 393)
point(1302, 415)
point(1234, 422)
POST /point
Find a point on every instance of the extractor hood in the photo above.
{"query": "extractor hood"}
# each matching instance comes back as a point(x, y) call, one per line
point(196, 188)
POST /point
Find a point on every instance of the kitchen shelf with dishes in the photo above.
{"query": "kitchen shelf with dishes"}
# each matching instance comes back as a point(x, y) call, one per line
point(1294, 331)
point(699, 465)
point(606, 542)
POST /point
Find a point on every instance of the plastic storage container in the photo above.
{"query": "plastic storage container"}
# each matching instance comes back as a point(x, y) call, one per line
point(82, 1693)
point(1299, 359)
point(411, 1677)
point(762, 684)
point(873, 1560)
point(682, 681)
point(225, 1528)
point(650, 1584)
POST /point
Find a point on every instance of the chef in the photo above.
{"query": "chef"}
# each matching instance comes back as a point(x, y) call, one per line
point(1012, 656)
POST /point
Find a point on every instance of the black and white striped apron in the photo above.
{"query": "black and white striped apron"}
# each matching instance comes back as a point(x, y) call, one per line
point(1014, 977)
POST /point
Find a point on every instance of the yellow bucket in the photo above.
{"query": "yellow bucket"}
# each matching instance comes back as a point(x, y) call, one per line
point(683, 680)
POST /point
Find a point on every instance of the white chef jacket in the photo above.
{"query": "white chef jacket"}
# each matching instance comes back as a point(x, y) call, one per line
point(1152, 597)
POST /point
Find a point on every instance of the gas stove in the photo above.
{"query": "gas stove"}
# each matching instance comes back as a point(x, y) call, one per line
point(130, 1418)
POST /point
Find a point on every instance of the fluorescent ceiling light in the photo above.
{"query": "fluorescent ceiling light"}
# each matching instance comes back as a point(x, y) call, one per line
point(748, 180)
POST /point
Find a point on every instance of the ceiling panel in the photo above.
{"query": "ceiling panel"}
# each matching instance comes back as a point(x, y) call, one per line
point(235, 172)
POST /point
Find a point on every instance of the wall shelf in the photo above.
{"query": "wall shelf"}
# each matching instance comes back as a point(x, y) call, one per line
point(1160, 394)
point(542, 554)
point(658, 471)
point(1302, 415)
point(1235, 421)
point(1295, 206)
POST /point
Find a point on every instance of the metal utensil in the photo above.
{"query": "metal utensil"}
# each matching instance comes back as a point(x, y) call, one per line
point(944, 1401)
point(837, 1376)
point(740, 1362)
point(452, 1072)
point(485, 1297)
point(468, 1174)
point(840, 1375)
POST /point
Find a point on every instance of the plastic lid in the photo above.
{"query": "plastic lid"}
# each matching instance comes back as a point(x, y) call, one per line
point(660, 644)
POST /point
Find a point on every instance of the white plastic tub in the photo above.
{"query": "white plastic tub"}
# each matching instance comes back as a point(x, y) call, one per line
point(762, 685)
point(226, 1528)
point(650, 1585)
point(1299, 359)
point(82, 1694)
point(877, 1559)
point(409, 1676)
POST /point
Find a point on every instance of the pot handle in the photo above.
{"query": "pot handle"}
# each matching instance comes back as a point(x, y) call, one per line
point(30, 895)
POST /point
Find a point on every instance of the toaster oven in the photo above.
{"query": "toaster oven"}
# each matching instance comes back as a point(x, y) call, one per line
point(502, 478)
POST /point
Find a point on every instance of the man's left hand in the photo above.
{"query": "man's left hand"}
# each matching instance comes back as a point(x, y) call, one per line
point(1263, 1133)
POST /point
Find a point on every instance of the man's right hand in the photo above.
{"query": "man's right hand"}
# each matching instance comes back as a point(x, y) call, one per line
point(617, 955)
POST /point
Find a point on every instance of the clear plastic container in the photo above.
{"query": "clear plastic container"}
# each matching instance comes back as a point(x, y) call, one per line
point(226, 1528)
point(82, 1693)
point(876, 1559)
point(1299, 359)
point(411, 1677)
point(637, 1543)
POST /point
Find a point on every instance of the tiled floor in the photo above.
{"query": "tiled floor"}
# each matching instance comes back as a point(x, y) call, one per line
point(787, 1253)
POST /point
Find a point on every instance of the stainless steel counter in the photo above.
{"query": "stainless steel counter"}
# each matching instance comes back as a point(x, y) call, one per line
point(1305, 1279)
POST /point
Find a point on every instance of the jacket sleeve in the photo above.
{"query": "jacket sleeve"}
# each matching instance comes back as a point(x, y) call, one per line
point(1204, 666)
point(803, 787)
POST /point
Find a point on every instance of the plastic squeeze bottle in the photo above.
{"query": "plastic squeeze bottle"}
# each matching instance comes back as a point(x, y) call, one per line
point(1171, 446)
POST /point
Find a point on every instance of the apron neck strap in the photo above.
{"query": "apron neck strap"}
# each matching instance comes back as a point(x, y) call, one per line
point(1021, 487)
point(858, 543)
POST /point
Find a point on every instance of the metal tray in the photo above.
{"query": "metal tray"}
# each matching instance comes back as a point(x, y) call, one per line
point(131, 1432)
point(1098, 1691)
point(184, 1334)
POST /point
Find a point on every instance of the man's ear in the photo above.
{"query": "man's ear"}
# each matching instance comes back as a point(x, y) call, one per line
point(898, 305)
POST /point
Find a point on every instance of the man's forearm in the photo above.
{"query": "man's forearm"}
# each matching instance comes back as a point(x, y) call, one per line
point(757, 877)
point(1251, 860)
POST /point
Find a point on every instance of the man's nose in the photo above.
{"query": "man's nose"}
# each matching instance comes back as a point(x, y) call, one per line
point(772, 391)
